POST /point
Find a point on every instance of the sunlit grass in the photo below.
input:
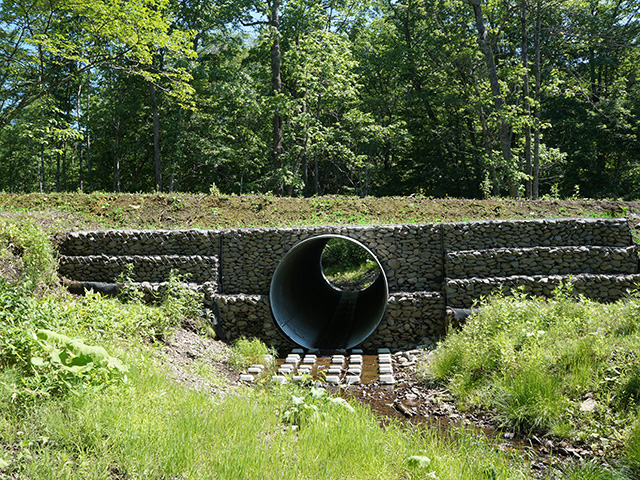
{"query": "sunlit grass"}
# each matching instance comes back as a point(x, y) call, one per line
point(156, 429)
point(561, 366)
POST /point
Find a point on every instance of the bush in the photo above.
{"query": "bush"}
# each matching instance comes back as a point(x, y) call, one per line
point(28, 253)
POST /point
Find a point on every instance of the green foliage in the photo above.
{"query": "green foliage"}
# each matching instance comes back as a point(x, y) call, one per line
point(245, 352)
point(179, 301)
point(312, 405)
point(375, 98)
point(632, 448)
point(564, 366)
point(25, 249)
point(348, 266)
point(344, 253)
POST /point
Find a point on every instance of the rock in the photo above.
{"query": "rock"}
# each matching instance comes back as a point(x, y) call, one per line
point(589, 405)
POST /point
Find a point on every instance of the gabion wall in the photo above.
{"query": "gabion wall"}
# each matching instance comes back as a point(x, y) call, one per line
point(411, 255)
point(429, 267)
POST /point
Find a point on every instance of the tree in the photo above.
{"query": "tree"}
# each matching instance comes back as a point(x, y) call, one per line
point(86, 34)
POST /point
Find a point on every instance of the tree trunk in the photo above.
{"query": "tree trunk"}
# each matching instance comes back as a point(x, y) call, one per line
point(316, 173)
point(43, 187)
point(87, 134)
point(536, 136)
point(65, 176)
point(485, 44)
point(42, 116)
point(525, 95)
point(79, 144)
point(157, 161)
point(58, 172)
point(116, 160)
point(276, 86)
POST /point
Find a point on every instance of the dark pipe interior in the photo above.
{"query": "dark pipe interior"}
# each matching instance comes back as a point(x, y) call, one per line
point(313, 313)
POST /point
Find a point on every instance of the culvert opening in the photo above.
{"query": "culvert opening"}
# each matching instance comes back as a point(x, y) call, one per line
point(347, 266)
point(321, 301)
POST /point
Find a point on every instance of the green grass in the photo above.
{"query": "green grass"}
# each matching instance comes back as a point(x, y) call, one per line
point(565, 367)
point(245, 352)
point(155, 429)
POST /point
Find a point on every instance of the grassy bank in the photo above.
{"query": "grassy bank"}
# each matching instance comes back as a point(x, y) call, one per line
point(154, 429)
point(567, 368)
point(62, 212)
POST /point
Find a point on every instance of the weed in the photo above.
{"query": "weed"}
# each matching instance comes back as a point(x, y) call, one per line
point(535, 361)
point(27, 248)
point(179, 301)
point(129, 291)
point(245, 352)
point(312, 405)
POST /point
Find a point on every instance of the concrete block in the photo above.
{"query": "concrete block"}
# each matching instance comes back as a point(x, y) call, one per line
point(387, 379)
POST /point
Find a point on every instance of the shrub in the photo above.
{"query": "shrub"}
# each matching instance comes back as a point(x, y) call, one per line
point(26, 248)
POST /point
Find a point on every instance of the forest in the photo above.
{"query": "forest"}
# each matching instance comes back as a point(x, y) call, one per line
point(439, 98)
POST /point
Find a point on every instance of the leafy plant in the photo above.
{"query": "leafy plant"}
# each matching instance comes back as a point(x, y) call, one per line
point(27, 248)
point(311, 406)
point(70, 363)
point(244, 352)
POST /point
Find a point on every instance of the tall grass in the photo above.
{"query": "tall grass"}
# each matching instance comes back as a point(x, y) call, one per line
point(568, 367)
point(26, 248)
point(155, 429)
point(247, 351)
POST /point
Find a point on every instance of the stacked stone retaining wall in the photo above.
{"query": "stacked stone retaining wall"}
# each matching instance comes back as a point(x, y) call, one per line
point(429, 267)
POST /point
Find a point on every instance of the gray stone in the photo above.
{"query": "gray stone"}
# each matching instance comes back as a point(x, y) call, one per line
point(384, 358)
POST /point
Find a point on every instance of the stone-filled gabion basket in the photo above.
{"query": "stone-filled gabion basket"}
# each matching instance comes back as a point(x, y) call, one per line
point(429, 267)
